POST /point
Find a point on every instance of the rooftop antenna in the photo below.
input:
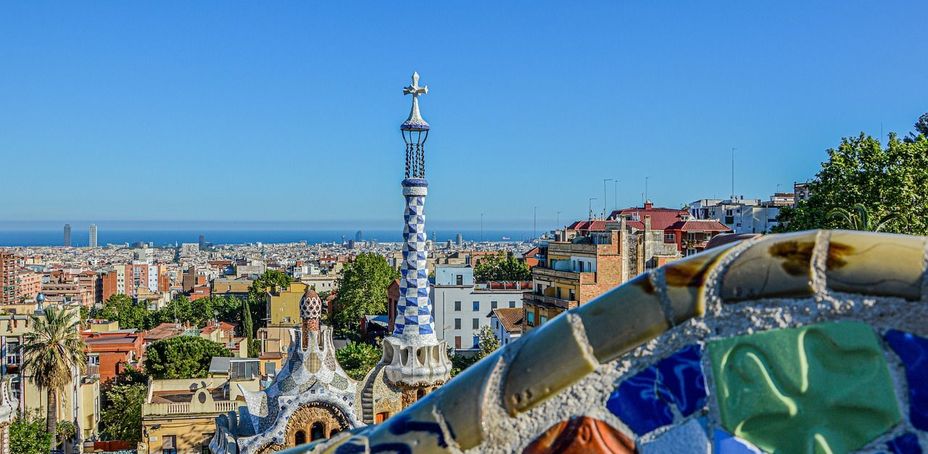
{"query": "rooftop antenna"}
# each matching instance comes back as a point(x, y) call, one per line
point(733, 173)
point(534, 223)
point(615, 194)
point(645, 190)
point(591, 207)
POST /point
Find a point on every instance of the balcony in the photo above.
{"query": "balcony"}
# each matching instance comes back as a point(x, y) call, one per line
point(184, 408)
point(93, 370)
point(548, 274)
point(572, 248)
point(551, 301)
point(13, 360)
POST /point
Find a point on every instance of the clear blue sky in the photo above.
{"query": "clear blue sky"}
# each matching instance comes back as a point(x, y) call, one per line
point(290, 110)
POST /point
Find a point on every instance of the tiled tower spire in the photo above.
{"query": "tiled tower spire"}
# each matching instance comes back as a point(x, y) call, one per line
point(413, 355)
point(414, 311)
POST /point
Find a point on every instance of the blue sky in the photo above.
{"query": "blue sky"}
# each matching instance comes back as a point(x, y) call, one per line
point(289, 111)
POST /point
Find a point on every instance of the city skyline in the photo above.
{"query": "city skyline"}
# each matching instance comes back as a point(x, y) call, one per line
point(296, 126)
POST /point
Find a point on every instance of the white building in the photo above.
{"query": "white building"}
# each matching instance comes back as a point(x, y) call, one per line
point(743, 215)
point(463, 307)
point(506, 324)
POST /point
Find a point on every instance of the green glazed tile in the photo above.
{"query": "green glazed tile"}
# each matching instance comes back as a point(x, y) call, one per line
point(623, 318)
point(876, 264)
point(685, 280)
point(776, 266)
point(822, 388)
point(550, 359)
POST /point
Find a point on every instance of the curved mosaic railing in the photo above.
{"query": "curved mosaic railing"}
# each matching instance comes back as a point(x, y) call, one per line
point(804, 342)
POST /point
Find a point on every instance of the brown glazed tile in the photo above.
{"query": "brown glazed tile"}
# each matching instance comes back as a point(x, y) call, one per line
point(684, 281)
point(876, 264)
point(550, 359)
point(776, 266)
point(623, 318)
point(581, 435)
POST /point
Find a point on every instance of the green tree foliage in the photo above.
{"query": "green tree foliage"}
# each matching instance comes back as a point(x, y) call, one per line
point(28, 435)
point(501, 267)
point(362, 290)
point(921, 128)
point(889, 181)
point(859, 219)
point(182, 357)
point(488, 343)
point(248, 329)
point(200, 312)
point(66, 430)
point(121, 417)
point(358, 358)
point(122, 309)
point(270, 279)
point(51, 350)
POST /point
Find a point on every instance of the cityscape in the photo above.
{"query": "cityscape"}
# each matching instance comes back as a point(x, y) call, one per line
point(446, 293)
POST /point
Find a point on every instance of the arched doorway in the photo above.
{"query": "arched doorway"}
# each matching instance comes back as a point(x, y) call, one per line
point(317, 432)
point(334, 432)
point(315, 420)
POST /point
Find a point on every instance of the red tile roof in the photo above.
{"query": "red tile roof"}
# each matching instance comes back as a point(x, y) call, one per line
point(661, 218)
point(510, 318)
point(699, 225)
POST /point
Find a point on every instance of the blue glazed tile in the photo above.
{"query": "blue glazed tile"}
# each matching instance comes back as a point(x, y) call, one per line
point(726, 443)
point(643, 402)
point(906, 443)
point(913, 351)
point(681, 375)
point(637, 404)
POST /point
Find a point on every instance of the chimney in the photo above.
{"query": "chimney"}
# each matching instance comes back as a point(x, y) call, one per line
point(647, 223)
point(648, 205)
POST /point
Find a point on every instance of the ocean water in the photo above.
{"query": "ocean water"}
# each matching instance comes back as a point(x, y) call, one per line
point(161, 237)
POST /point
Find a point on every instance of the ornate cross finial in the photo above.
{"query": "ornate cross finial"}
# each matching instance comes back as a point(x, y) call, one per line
point(415, 122)
point(415, 90)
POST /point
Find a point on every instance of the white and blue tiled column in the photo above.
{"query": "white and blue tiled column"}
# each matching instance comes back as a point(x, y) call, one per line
point(414, 310)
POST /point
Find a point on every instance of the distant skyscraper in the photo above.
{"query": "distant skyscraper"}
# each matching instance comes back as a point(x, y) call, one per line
point(359, 236)
point(202, 242)
point(67, 235)
point(93, 235)
point(460, 240)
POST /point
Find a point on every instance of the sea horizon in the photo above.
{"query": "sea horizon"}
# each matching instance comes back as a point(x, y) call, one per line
point(170, 237)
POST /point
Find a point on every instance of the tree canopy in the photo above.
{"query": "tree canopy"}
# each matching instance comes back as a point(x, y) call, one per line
point(358, 358)
point(501, 267)
point(182, 357)
point(28, 435)
point(889, 181)
point(52, 350)
point(362, 290)
point(121, 417)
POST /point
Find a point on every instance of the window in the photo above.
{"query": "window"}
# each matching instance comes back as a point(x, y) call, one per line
point(557, 292)
point(477, 306)
point(457, 306)
point(538, 290)
point(457, 323)
point(512, 304)
point(572, 295)
point(476, 323)
point(670, 238)
point(460, 279)
point(476, 342)
point(93, 360)
point(542, 320)
point(493, 304)
point(530, 318)
point(381, 417)
point(270, 368)
point(457, 342)
point(170, 445)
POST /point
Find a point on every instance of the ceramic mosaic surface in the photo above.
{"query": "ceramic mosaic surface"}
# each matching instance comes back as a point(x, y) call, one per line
point(804, 342)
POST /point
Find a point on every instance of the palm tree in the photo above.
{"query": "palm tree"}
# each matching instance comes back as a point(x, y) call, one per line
point(51, 351)
point(859, 219)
